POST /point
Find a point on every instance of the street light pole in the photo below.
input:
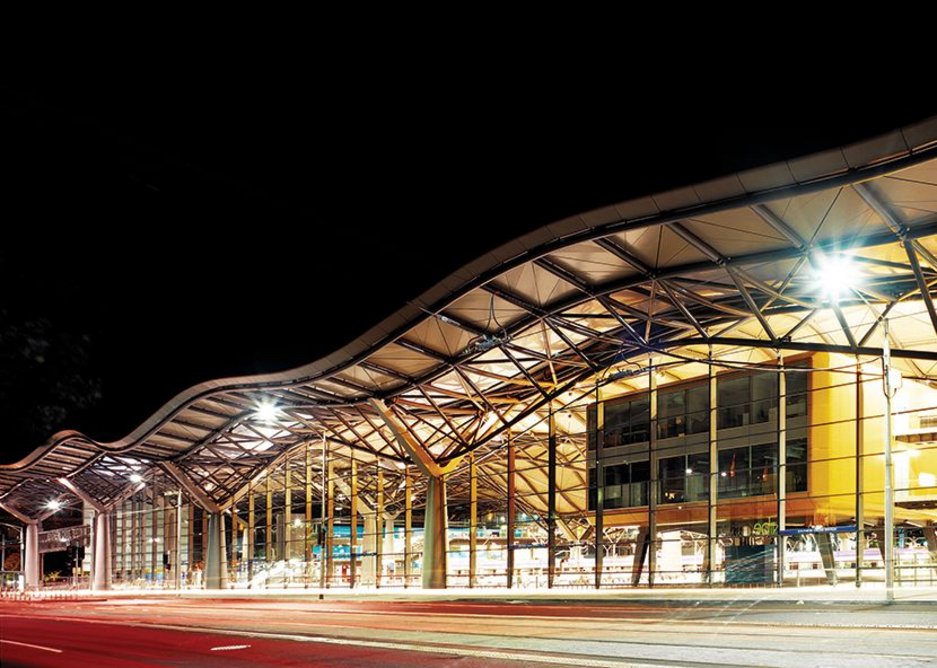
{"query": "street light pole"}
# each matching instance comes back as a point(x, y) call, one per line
point(889, 537)
point(323, 539)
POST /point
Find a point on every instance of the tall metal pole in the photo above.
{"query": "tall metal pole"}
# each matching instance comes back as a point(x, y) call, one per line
point(179, 539)
point(599, 486)
point(782, 472)
point(512, 512)
point(323, 543)
point(889, 491)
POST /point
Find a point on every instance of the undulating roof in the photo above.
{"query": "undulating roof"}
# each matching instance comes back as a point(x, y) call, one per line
point(727, 268)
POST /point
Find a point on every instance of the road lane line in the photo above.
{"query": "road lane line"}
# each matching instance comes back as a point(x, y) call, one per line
point(26, 644)
point(526, 657)
point(228, 648)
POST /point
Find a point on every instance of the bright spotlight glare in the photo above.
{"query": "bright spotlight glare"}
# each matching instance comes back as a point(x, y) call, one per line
point(136, 477)
point(297, 522)
point(54, 505)
point(266, 412)
point(837, 275)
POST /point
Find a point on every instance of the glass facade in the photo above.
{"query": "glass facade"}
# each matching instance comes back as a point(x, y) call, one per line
point(731, 493)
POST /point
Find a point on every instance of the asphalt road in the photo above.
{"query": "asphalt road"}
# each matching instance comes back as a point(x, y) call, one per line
point(258, 632)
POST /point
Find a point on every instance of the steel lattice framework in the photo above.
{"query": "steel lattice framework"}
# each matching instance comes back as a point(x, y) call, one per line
point(723, 270)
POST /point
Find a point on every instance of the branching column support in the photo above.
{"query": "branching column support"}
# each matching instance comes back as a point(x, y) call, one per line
point(216, 570)
point(435, 523)
point(103, 540)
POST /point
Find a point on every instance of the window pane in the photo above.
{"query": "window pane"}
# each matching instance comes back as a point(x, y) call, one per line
point(764, 385)
point(697, 399)
point(616, 474)
point(796, 480)
point(672, 404)
point(616, 415)
point(672, 472)
point(733, 472)
point(698, 463)
point(640, 471)
point(732, 391)
point(764, 466)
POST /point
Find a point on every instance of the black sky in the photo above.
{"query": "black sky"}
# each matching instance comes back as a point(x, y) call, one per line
point(163, 234)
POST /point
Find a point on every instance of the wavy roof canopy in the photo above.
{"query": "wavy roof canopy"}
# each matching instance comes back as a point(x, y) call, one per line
point(727, 267)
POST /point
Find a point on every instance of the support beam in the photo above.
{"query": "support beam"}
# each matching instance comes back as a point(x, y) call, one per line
point(435, 523)
point(101, 565)
point(286, 536)
point(307, 495)
point(473, 521)
point(599, 479)
point(860, 505)
point(251, 526)
point(782, 473)
point(512, 510)
point(407, 527)
point(353, 535)
point(417, 451)
point(712, 532)
point(435, 526)
point(191, 487)
point(215, 570)
point(330, 525)
point(379, 529)
point(268, 521)
point(31, 561)
point(652, 485)
point(86, 498)
point(551, 501)
point(25, 519)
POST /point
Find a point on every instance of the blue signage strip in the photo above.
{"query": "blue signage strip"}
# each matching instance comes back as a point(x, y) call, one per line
point(849, 528)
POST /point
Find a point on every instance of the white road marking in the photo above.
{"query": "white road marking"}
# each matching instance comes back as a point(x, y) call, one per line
point(26, 644)
point(227, 648)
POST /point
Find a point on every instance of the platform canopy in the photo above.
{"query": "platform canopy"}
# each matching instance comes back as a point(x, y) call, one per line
point(805, 255)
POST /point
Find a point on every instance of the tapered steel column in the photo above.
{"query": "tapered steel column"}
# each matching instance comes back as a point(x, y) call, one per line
point(31, 568)
point(102, 551)
point(435, 526)
point(213, 554)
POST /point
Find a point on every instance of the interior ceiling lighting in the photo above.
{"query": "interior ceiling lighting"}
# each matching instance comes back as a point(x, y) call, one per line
point(266, 411)
point(136, 477)
point(837, 275)
point(54, 505)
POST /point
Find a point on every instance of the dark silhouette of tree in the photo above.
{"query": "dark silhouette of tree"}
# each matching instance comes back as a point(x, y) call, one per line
point(46, 379)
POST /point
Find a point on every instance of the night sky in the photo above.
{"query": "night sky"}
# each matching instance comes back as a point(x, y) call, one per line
point(157, 235)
